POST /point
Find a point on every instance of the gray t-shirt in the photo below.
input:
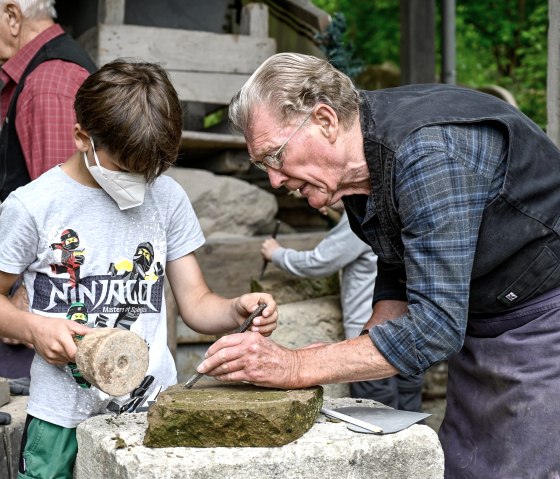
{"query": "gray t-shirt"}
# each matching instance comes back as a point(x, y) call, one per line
point(74, 245)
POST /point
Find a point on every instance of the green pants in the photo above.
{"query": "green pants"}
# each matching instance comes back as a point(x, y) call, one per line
point(47, 451)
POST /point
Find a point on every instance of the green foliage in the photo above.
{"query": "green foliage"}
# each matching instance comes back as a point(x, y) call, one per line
point(373, 27)
point(505, 45)
point(502, 42)
point(339, 51)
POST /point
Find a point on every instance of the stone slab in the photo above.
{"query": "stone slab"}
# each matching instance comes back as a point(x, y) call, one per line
point(216, 414)
point(113, 447)
point(10, 436)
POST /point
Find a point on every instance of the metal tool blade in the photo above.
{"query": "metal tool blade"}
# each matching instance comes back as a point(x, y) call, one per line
point(193, 379)
point(241, 329)
point(352, 420)
point(265, 262)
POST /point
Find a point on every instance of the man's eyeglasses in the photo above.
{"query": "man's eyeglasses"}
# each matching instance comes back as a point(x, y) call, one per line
point(274, 161)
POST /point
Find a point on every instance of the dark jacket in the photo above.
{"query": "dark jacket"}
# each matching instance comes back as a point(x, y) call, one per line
point(13, 170)
point(518, 252)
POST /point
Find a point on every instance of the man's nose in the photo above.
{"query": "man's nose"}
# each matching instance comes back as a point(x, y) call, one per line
point(276, 178)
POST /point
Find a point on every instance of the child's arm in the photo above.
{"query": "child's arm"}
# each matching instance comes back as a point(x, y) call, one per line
point(208, 313)
point(51, 337)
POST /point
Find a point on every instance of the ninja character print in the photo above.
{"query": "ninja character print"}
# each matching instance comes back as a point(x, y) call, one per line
point(78, 312)
point(71, 257)
point(132, 274)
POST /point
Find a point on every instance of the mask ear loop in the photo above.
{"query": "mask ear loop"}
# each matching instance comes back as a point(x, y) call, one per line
point(96, 158)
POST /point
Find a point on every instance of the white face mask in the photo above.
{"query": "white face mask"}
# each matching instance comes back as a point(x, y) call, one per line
point(127, 189)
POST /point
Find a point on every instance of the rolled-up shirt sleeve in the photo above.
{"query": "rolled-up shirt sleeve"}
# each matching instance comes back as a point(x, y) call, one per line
point(444, 178)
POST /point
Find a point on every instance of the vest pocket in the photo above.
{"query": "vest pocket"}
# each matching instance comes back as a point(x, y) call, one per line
point(532, 279)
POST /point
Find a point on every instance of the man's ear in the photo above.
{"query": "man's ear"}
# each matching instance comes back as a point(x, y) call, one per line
point(328, 121)
point(15, 18)
point(81, 138)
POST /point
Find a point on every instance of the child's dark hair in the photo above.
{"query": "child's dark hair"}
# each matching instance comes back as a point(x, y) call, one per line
point(132, 110)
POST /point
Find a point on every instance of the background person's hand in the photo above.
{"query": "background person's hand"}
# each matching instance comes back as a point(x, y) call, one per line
point(268, 247)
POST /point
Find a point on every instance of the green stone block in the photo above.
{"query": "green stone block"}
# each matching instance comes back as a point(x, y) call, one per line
point(226, 415)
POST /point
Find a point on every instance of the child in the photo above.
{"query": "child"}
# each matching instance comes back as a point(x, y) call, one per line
point(103, 230)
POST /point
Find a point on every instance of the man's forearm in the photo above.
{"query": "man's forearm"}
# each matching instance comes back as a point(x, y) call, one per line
point(355, 359)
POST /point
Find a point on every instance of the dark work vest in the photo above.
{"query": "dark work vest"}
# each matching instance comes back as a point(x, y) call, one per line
point(13, 170)
point(518, 251)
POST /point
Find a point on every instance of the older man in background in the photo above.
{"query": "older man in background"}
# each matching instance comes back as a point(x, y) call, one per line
point(42, 69)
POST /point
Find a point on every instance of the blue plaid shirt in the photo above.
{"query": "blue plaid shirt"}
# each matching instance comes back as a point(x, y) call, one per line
point(444, 177)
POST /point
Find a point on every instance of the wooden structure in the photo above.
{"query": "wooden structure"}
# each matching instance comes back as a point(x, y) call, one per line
point(417, 41)
point(206, 68)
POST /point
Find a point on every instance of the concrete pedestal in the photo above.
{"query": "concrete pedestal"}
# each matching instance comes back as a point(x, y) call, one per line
point(112, 447)
point(10, 436)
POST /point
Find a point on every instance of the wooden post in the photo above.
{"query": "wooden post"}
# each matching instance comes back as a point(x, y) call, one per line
point(417, 41)
point(254, 20)
point(553, 73)
point(111, 12)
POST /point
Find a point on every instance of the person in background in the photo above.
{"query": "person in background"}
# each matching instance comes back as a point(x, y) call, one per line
point(341, 250)
point(109, 212)
point(41, 70)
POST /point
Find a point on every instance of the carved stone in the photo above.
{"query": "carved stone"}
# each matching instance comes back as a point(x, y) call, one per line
point(113, 360)
point(239, 415)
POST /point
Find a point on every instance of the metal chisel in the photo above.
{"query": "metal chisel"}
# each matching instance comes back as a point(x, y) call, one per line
point(241, 329)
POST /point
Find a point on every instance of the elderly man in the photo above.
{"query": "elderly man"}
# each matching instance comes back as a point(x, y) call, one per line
point(458, 193)
point(42, 69)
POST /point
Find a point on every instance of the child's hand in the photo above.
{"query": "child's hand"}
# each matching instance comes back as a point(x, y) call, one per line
point(54, 339)
point(264, 324)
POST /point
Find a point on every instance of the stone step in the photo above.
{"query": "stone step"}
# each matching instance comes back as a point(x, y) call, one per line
point(113, 447)
point(10, 436)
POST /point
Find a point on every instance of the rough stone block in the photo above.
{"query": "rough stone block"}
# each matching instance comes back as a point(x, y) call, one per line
point(316, 320)
point(287, 288)
point(236, 415)
point(229, 264)
point(10, 436)
point(186, 335)
point(224, 203)
point(113, 447)
point(4, 391)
